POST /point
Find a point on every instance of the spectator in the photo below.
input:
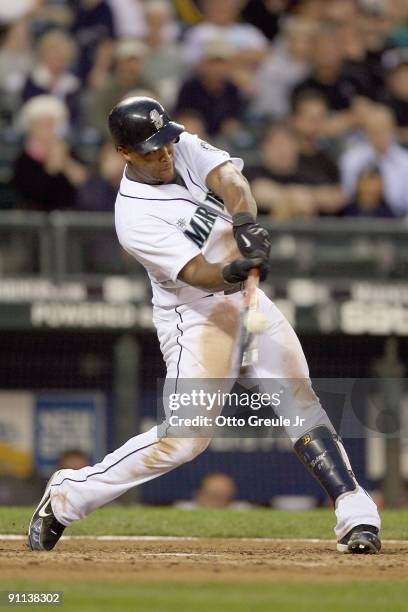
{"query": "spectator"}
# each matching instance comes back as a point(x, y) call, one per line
point(312, 9)
point(93, 23)
point(248, 44)
point(164, 64)
point(127, 76)
point(275, 181)
point(99, 191)
point(396, 96)
point(376, 24)
point(211, 93)
point(73, 459)
point(193, 123)
point(51, 73)
point(379, 146)
point(315, 166)
point(285, 66)
point(328, 76)
point(358, 64)
point(220, 20)
point(369, 196)
point(15, 57)
point(45, 175)
point(339, 11)
point(216, 490)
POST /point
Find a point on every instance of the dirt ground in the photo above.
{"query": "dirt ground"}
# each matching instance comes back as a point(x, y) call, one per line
point(200, 559)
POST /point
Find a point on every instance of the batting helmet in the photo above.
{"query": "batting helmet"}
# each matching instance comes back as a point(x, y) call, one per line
point(142, 124)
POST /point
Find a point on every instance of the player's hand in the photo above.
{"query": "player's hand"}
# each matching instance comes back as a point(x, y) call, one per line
point(238, 270)
point(252, 239)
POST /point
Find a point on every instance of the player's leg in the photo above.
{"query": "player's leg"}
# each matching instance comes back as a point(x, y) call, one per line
point(194, 341)
point(315, 440)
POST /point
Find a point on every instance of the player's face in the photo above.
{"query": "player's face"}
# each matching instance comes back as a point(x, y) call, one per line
point(154, 167)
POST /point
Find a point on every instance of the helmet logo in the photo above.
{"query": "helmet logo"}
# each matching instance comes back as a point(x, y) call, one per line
point(156, 118)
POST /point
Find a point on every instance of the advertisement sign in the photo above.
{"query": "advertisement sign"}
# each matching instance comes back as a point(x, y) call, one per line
point(66, 421)
point(16, 433)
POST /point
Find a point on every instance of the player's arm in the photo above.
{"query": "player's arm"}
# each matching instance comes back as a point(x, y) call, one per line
point(227, 182)
point(198, 272)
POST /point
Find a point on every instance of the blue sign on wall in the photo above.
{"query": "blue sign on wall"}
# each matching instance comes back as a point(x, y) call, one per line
point(68, 420)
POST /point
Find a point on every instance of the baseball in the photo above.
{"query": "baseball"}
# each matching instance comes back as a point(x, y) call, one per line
point(255, 322)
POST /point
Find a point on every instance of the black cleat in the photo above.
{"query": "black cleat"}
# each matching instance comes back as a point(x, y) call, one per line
point(44, 530)
point(361, 540)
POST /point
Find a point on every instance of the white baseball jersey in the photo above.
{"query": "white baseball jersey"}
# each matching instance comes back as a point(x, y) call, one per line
point(165, 226)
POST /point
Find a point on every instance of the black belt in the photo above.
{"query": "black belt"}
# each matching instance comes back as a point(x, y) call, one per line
point(235, 289)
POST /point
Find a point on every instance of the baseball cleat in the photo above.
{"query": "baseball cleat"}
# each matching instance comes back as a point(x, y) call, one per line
point(44, 530)
point(361, 540)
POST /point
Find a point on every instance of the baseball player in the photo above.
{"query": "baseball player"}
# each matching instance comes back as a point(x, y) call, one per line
point(186, 213)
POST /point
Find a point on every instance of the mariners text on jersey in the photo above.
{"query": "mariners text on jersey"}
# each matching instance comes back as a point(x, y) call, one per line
point(165, 226)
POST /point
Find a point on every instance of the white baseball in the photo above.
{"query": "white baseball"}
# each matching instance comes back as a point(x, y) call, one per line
point(256, 322)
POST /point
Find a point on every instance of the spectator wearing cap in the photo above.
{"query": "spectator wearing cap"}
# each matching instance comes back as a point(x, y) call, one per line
point(126, 77)
point(248, 44)
point(396, 96)
point(221, 20)
point(287, 64)
point(164, 64)
point(46, 176)
point(379, 146)
point(92, 26)
point(211, 93)
point(51, 73)
point(369, 199)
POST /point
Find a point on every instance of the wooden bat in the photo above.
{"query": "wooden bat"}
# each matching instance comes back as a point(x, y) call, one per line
point(253, 322)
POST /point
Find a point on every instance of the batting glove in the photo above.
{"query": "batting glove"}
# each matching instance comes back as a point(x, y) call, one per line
point(238, 270)
point(252, 239)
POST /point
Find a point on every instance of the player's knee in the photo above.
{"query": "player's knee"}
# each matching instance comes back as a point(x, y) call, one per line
point(189, 448)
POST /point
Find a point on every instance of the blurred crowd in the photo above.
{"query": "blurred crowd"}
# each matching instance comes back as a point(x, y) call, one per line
point(313, 94)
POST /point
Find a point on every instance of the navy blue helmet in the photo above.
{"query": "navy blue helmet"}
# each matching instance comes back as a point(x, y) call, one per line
point(142, 124)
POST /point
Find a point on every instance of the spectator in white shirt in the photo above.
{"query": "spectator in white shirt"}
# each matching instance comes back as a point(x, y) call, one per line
point(287, 63)
point(128, 17)
point(379, 147)
point(164, 66)
point(221, 22)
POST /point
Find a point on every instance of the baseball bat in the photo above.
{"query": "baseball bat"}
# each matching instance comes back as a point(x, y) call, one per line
point(249, 350)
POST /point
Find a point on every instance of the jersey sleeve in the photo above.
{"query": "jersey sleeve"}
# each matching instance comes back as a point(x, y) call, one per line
point(160, 247)
point(203, 157)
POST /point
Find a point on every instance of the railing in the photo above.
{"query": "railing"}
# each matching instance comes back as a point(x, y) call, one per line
point(65, 245)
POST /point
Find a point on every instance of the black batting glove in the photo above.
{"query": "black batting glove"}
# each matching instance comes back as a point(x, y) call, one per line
point(238, 270)
point(252, 239)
